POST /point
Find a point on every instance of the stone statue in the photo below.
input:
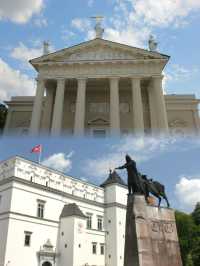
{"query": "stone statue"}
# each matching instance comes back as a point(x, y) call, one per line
point(140, 184)
point(134, 182)
point(152, 44)
point(98, 28)
point(153, 187)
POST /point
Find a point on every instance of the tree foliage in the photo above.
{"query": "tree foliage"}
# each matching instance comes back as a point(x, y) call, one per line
point(188, 228)
point(3, 114)
point(196, 214)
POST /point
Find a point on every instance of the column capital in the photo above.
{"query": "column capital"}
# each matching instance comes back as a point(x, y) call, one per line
point(157, 77)
point(81, 82)
point(136, 78)
point(114, 78)
point(61, 80)
point(82, 78)
point(40, 80)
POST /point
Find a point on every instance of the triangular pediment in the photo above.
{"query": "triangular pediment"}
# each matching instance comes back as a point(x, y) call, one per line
point(98, 50)
point(98, 121)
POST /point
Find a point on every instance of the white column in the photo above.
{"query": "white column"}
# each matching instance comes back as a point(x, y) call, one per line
point(37, 108)
point(138, 118)
point(47, 117)
point(79, 123)
point(58, 108)
point(114, 107)
point(159, 103)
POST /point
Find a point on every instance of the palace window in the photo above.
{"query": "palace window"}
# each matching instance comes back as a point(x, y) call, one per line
point(27, 238)
point(40, 208)
point(89, 220)
point(94, 248)
point(100, 223)
point(102, 251)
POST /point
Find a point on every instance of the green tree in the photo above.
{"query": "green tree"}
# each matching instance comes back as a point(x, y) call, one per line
point(3, 114)
point(185, 228)
point(196, 246)
point(189, 261)
point(196, 214)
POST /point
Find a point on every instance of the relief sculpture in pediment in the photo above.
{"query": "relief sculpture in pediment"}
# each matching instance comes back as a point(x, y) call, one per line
point(100, 54)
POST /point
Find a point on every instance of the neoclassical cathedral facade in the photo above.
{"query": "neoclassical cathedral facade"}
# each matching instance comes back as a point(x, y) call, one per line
point(100, 88)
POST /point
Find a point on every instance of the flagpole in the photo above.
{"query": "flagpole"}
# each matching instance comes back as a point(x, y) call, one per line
point(40, 155)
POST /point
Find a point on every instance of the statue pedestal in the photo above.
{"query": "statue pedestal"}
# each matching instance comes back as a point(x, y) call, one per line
point(151, 235)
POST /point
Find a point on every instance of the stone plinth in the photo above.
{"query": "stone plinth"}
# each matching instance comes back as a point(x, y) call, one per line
point(151, 235)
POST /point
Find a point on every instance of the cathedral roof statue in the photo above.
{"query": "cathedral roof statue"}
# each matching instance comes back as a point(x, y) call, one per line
point(98, 28)
point(113, 178)
point(71, 210)
point(153, 44)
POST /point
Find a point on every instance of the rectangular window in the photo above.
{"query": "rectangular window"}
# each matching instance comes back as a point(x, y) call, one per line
point(27, 239)
point(40, 209)
point(94, 248)
point(89, 221)
point(100, 223)
point(102, 249)
point(99, 133)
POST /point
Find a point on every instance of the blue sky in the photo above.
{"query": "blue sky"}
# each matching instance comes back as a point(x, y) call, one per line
point(24, 24)
point(174, 162)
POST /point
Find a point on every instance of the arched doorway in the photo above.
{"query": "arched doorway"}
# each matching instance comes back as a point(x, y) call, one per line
point(46, 263)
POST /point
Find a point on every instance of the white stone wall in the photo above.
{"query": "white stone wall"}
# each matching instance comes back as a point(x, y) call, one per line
point(18, 213)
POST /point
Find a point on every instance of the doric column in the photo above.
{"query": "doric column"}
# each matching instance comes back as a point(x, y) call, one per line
point(138, 118)
point(159, 112)
point(79, 123)
point(37, 108)
point(47, 117)
point(114, 107)
point(58, 108)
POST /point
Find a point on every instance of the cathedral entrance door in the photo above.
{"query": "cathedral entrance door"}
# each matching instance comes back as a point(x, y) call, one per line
point(46, 263)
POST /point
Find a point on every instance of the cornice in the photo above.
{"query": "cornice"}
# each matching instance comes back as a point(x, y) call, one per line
point(97, 62)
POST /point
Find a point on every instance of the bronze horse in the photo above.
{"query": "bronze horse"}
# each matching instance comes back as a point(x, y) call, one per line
point(153, 187)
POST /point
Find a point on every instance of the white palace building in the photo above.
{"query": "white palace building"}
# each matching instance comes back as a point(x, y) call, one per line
point(100, 88)
point(50, 219)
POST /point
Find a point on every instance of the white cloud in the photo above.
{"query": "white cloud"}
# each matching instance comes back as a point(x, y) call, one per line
point(177, 72)
point(140, 149)
point(163, 13)
point(20, 11)
point(187, 191)
point(24, 54)
point(13, 82)
point(40, 22)
point(82, 24)
point(59, 161)
point(130, 35)
point(133, 21)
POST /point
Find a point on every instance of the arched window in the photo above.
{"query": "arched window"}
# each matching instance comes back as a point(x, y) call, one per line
point(46, 263)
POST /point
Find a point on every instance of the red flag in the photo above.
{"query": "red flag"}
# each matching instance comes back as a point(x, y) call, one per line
point(37, 149)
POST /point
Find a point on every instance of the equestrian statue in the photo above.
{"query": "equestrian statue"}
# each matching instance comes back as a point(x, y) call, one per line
point(140, 184)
